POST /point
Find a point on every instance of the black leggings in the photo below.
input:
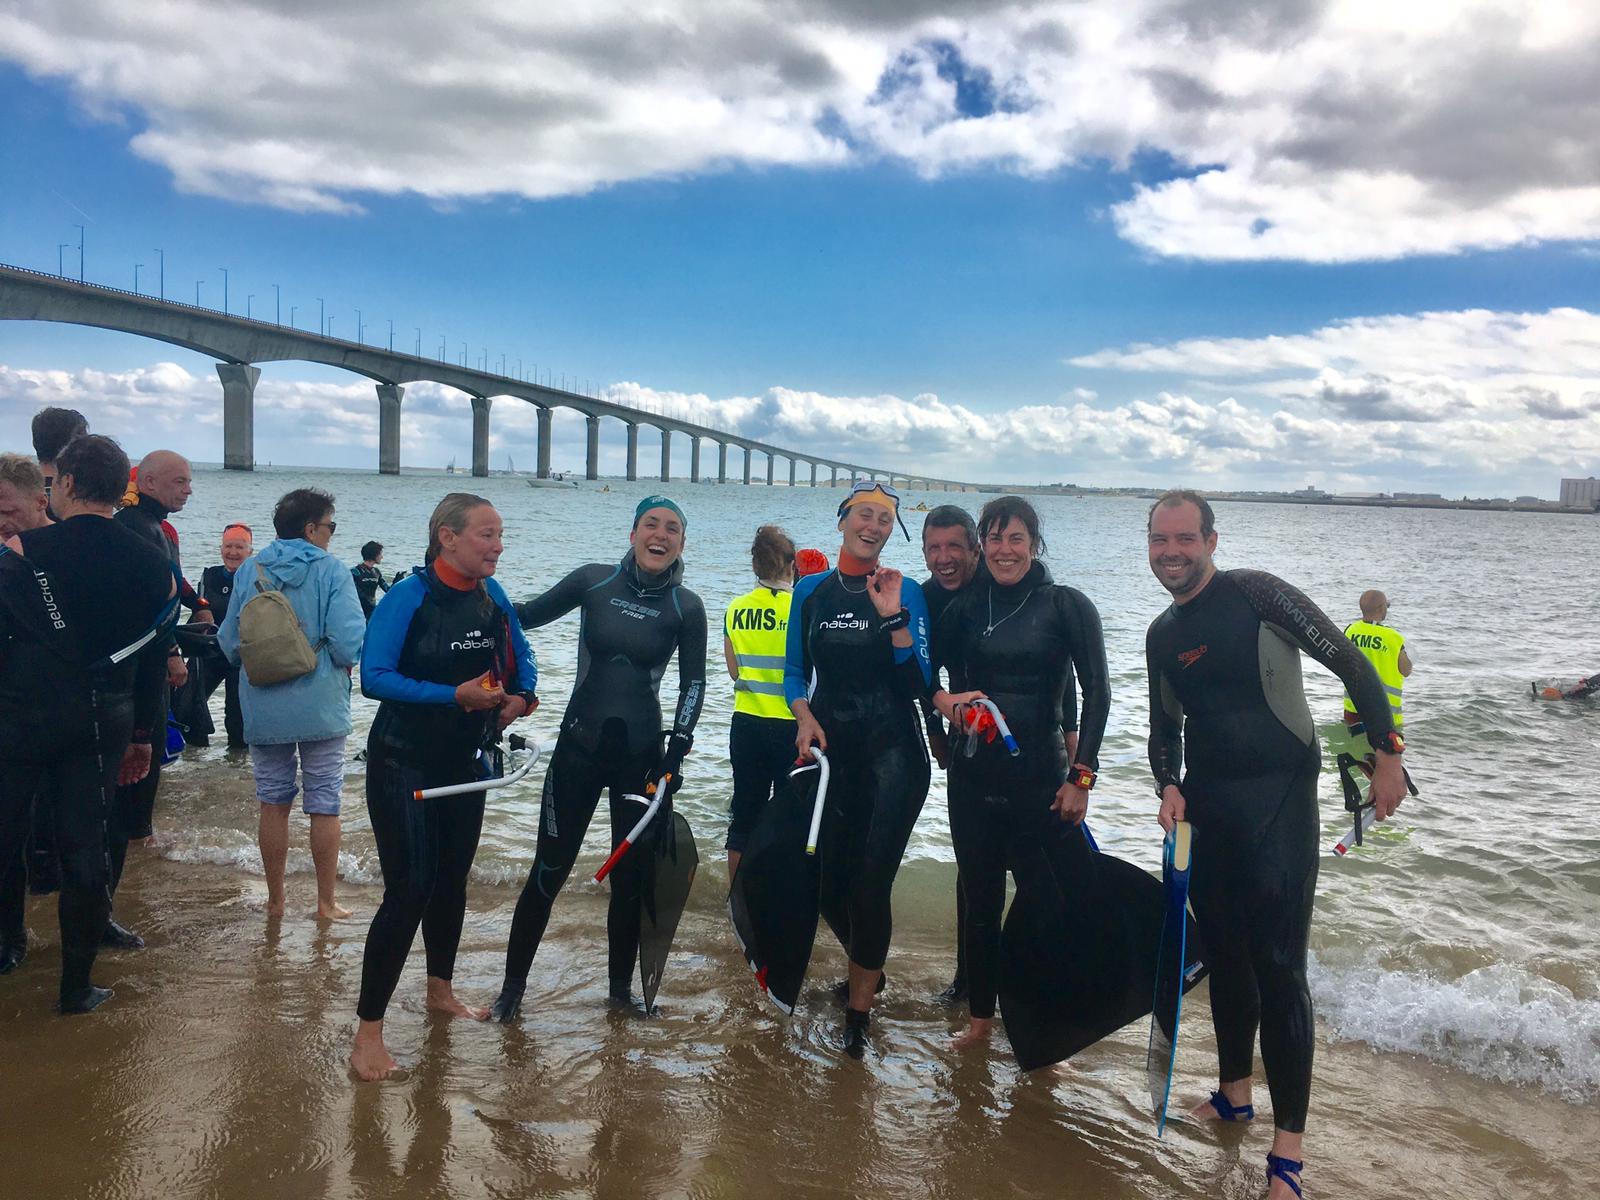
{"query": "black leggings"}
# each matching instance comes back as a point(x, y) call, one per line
point(762, 752)
point(1000, 828)
point(874, 797)
point(1253, 886)
point(572, 787)
point(425, 848)
point(76, 765)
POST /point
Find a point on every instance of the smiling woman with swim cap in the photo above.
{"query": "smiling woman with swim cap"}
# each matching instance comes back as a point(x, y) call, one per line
point(634, 616)
point(856, 661)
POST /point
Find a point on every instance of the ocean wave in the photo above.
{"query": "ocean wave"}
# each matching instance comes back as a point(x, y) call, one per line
point(1499, 1022)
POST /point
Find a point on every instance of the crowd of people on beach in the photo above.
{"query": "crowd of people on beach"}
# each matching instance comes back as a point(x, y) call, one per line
point(990, 669)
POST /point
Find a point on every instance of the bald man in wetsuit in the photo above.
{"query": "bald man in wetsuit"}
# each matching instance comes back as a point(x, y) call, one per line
point(1234, 751)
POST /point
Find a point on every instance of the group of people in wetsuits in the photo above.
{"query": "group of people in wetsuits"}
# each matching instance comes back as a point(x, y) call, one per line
point(872, 666)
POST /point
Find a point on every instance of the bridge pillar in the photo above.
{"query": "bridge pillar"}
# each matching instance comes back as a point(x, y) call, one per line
point(592, 465)
point(694, 460)
point(238, 415)
point(771, 458)
point(633, 452)
point(792, 465)
point(747, 465)
point(835, 480)
point(666, 456)
point(813, 472)
point(722, 462)
point(389, 395)
point(544, 443)
point(480, 436)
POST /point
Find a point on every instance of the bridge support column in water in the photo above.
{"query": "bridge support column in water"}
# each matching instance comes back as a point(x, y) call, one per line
point(722, 462)
point(238, 415)
point(770, 460)
point(389, 397)
point(633, 452)
point(480, 436)
point(747, 466)
point(666, 455)
point(792, 465)
point(592, 461)
point(835, 480)
point(813, 473)
point(694, 460)
point(544, 443)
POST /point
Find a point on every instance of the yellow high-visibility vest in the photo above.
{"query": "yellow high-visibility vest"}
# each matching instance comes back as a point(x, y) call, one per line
point(1382, 647)
point(758, 626)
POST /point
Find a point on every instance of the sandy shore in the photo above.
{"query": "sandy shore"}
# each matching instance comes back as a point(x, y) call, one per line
point(219, 1070)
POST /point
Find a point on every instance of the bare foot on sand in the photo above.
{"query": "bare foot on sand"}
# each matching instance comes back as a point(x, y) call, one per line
point(442, 999)
point(331, 911)
point(275, 906)
point(369, 1057)
point(977, 1034)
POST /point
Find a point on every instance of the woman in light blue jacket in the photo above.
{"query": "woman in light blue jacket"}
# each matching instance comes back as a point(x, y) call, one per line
point(308, 716)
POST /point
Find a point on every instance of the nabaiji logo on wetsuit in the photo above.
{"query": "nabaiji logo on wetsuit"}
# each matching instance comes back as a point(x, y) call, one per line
point(844, 621)
point(1188, 658)
point(474, 641)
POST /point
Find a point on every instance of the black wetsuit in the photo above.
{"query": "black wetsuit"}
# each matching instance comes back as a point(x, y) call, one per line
point(369, 582)
point(630, 626)
point(425, 641)
point(134, 811)
point(66, 714)
point(1019, 645)
point(865, 694)
point(190, 704)
point(1230, 727)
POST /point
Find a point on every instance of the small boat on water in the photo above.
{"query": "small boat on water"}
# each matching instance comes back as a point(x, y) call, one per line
point(556, 480)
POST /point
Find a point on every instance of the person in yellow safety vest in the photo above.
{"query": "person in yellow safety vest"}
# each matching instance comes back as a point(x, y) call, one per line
point(1385, 650)
point(754, 636)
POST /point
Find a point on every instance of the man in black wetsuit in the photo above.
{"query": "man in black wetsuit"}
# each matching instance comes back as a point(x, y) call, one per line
point(83, 606)
point(52, 429)
point(1234, 751)
point(950, 548)
point(164, 488)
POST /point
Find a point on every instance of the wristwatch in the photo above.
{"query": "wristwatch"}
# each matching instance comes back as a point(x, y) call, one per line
point(1082, 777)
point(1391, 742)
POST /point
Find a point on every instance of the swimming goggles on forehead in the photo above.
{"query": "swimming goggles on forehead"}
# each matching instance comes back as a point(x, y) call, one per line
point(870, 491)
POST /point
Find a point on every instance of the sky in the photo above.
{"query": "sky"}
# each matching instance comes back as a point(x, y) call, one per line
point(1352, 245)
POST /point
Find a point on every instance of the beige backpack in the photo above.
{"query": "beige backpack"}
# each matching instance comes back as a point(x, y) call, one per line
point(272, 646)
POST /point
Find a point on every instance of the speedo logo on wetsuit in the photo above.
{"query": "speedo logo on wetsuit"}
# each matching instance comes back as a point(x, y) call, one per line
point(845, 621)
point(50, 608)
point(1188, 658)
point(637, 611)
point(475, 640)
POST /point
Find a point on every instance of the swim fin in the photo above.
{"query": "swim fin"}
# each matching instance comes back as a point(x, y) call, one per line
point(669, 866)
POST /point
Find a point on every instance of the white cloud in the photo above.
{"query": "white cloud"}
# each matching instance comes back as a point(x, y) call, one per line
point(1296, 129)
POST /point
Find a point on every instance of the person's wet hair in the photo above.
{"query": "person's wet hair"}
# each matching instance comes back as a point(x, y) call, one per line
point(371, 551)
point(1180, 496)
point(772, 553)
point(53, 428)
point(949, 516)
point(299, 508)
point(98, 468)
point(22, 473)
point(997, 514)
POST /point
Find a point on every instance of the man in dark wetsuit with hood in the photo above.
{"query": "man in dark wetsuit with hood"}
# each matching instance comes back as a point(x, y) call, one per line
point(1234, 751)
point(164, 488)
point(634, 616)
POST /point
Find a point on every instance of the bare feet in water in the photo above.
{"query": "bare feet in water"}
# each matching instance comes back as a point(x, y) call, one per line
point(331, 911)
point(369, 1057)
point(442, 999)
point(275, 906)
point(977, 1034)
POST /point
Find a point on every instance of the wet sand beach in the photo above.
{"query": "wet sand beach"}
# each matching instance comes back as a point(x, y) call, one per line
point(219, 1070)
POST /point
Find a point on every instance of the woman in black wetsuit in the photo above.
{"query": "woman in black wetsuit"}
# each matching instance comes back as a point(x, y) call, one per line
point(1018, 639)
point(446, 658)
point(856, 665)
point(634, 616)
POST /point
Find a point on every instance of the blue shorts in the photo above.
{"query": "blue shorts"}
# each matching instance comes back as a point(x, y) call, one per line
point(321, 766)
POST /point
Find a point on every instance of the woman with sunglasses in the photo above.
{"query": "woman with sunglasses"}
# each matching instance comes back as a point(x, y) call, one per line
point(1017, 639)
point(856, 663)
point(446, 658)
point(634, 615)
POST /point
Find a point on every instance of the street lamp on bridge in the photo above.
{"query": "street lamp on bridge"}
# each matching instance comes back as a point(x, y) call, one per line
point(224, 271)
point(278, 293)
point(136, 267)
point(248, 312)
point(197, 284)
point(61, 258)
point(293, 308)
point(163, 255)
point(79, 228)
point(359, 326)
point(322, 322)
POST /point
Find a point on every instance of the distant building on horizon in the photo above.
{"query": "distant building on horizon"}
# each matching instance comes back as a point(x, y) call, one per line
point(1581, 493)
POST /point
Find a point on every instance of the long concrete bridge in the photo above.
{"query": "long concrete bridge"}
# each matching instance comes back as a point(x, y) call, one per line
point(240, 343)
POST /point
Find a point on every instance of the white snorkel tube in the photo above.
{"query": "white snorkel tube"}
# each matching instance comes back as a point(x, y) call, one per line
point(532, 750)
